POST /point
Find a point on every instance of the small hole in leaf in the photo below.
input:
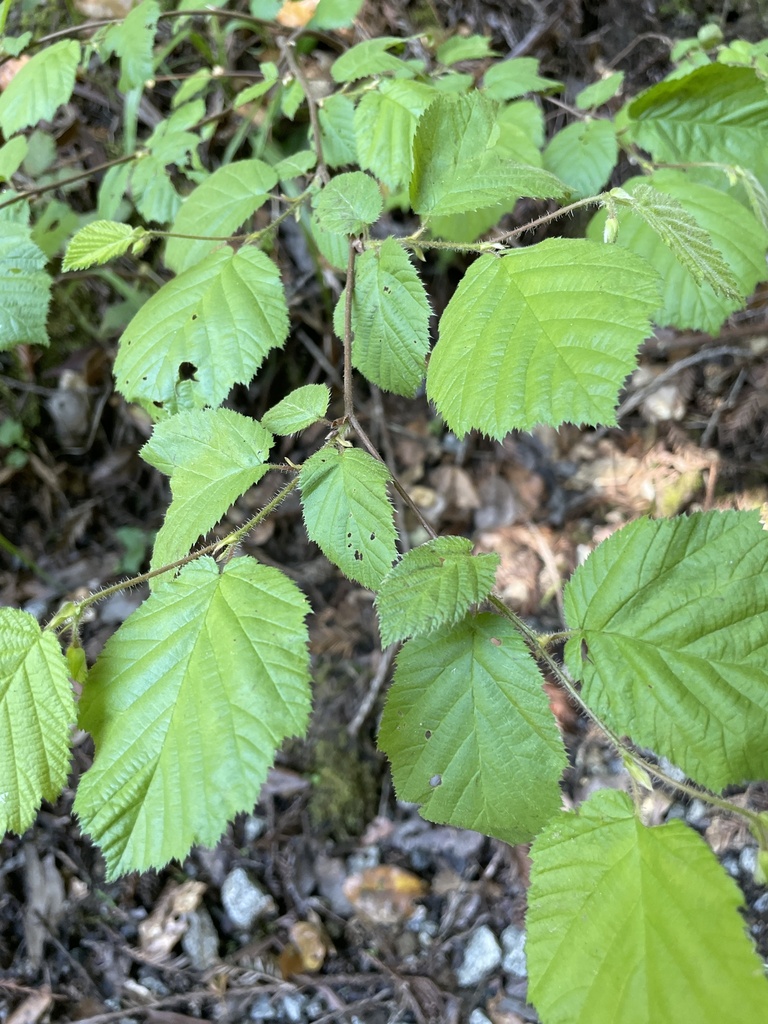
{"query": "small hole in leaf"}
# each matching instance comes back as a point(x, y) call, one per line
point(435, 781)
point(187, 371)
point(373, 536)
point(358, 556)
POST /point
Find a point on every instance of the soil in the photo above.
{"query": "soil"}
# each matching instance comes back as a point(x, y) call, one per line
point(331, 900)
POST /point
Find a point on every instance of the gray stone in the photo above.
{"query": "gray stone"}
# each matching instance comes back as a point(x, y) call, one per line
point(262, 1009)
point(478, 1017)
point(293, 1004)
point(481, 956)
point(513, 945)
point(243, 900)
point(201, 940)
point(748, 860)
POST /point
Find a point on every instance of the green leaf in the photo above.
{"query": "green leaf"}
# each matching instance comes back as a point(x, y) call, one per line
point(209, 328)
point(546, 334)
point(258, 89)
point(40, 87)
point(347, 512)
point(583, 155)
point(674, 614)
point(458, 48)
point(37, 711)
point(332, 246)
point(337, 130)
point(12, 155)
point(349, 203)
point(431, 586)
point(99, 242)
point(25, 288)
point(197, 82)
point(468, 730)
point(366, 59)
point(331, 14)
point(132, 41)
point(717, 113)
point(218, 207)
point(212, 457)
point(458, 165)
point(690, 243)
point(733, 230)
point(385, 124)
point(515, 77)
point(390, 319)
point(15, 45)
point(635, 924)
point(298, 410)
point(598, 93)
point(298, 163)
point(186, 705)
point(170, 143)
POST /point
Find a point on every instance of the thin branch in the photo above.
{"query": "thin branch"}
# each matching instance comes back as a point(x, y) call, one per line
point(67, 181)
point(287, 49)
point(349, 398)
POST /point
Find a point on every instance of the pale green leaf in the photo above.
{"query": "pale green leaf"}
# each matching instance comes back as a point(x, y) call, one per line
point(196, 83)
point(40, 87)
point(390, 319)
point(187, 704)
point(258, 89)
point(583, 155)
point(37, 711)
point(689, 242)
point(298, 410)
point(298, 163)
point(347, 512)
point(337, 130)
point(209, 328)
point(12, 155)
point(674, 616)
point(212, 457)
point(99, 242)
point(733, 230)
point(385, 124)
point(453, 81)
point(431, 586)
point(512, 78)
point(54, 225)
point(111, 191)
point(527, 116)
point(459, 166)
point(331, 14)
point(598, 93)
point(349, 203)
point(757, 196)
point(15, 45)
point(217, 207)
point(469, 732)
point(546, 334)
point(458, 48)
point(368, 58)
point(717, 113)
point(291, 98)
point(25, 288)
point(333, 246)
point(171, 142)
point(635, 925)
point(132, 40)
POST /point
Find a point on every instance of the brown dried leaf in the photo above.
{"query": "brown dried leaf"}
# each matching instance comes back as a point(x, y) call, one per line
point(386, 894)
point(33, 1008)
point(296, 13)
point(160, 932)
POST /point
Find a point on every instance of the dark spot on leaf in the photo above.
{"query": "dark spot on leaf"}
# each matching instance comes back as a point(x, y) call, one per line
point(373, 536)
point(585, 652)
point(358, 556)
point(187, 371)
point(194, 316)
point(428, 734)
point(435, 781)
